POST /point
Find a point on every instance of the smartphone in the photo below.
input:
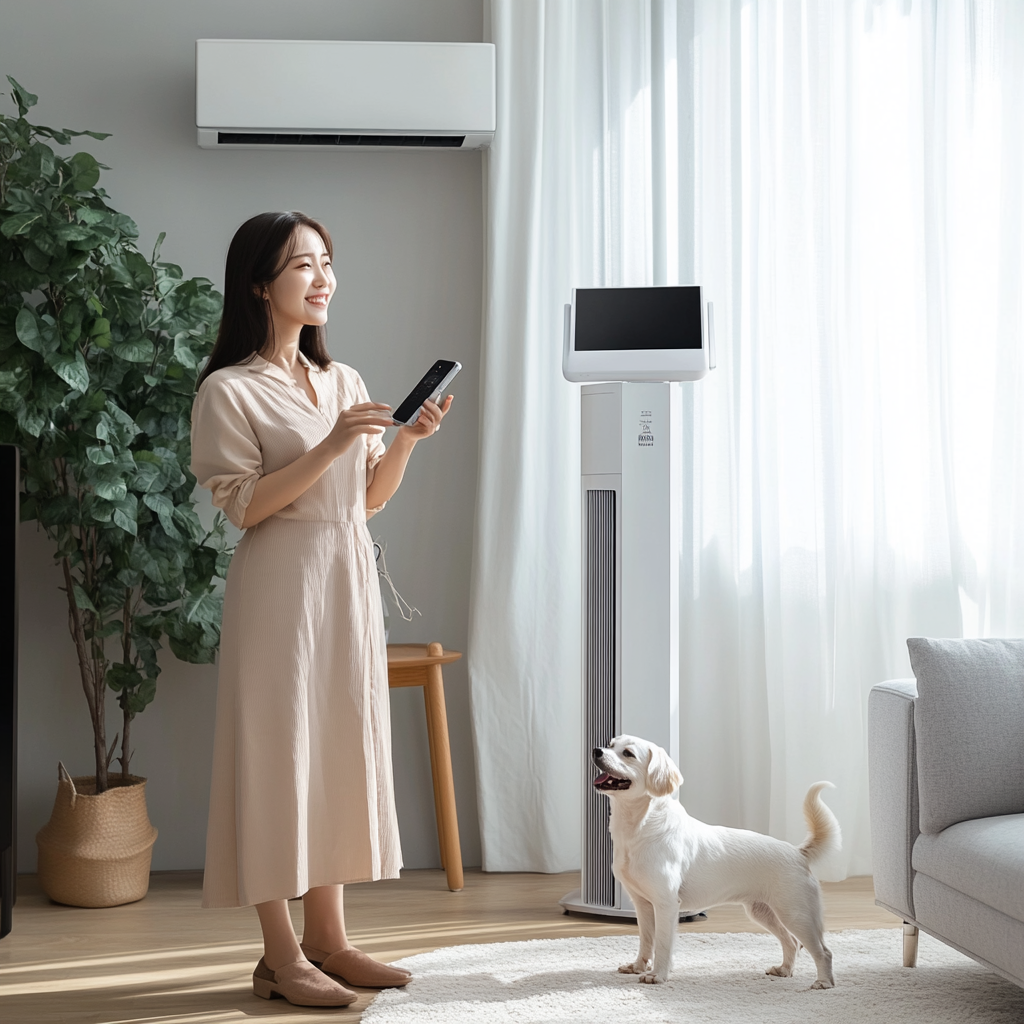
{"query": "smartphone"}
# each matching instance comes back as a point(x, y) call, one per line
point(434, 381)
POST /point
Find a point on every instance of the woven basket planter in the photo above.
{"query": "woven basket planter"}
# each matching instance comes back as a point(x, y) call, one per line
point(95, 851)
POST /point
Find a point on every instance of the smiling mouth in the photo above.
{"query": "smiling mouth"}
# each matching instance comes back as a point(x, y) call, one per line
point(320, 301)
point(607, 783)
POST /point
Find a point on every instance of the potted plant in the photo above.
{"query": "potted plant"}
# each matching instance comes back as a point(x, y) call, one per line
point(99, 353)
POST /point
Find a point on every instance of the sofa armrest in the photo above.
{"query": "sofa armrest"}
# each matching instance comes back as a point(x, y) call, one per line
point(892, 781)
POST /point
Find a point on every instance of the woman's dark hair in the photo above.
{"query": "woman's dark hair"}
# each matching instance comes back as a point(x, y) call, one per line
point(258, 253)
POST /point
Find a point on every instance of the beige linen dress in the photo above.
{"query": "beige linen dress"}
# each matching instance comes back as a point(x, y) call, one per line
point(302, 791)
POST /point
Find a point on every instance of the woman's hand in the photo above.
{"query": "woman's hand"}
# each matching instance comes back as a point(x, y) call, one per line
point(429, 420)
point(391, 468)
point(365, 418)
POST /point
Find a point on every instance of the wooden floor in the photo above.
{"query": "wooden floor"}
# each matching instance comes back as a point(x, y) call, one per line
point(165, 960)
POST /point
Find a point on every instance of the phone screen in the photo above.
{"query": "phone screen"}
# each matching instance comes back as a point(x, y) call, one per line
point(433, 379)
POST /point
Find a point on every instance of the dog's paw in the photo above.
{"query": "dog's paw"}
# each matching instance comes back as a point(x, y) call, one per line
point(635, 968)
point(650, 978)
point(780, 972)
point(823, 984)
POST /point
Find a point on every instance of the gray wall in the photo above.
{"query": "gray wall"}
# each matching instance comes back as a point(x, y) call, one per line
point(408, 233)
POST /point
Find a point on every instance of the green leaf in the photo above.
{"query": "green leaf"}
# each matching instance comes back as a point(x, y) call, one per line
point(19, 224)
point(31, 421)
point(203, 608)
point(34, 333)
point(164, 508)
point(36, 258)
point(139, 350)
point(121, 676)
point(73, 233)
point(112, 490)
point(186, 518)
point(129, 577)
point(82, 599)
point(195, 653)
point(115, 425)
point(99, 455)
point(86, 172)
point(147, 562)
point(148, 475)
point(142, 697)
point(183, 350)
point(102, 511)
point(125, 522)
point(22, 97)
point(72, 369)
point(57, 511)
point(147, 646)
point(94, 216)
point(222, 563)
point(11, 378)
point(39, 162)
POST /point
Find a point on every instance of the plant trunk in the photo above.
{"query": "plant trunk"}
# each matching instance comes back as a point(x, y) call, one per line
point(126, 755)
point(126, 650)
point(92, 685)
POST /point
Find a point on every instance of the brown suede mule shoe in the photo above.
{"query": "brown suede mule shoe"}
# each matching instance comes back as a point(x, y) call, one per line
point(356, 968)
point(300, 983)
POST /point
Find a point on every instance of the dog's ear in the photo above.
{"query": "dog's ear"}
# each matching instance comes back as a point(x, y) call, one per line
point(663, 777)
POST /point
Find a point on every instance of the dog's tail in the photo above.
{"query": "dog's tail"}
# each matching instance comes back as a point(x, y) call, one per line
point(825, 835)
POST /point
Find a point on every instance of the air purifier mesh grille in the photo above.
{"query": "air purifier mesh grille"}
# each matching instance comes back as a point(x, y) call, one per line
point(599, 688)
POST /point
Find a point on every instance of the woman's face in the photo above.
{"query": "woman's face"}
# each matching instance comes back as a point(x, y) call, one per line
point(300, 294)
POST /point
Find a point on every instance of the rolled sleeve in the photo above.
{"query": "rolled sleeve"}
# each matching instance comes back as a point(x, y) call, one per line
point(226, 456)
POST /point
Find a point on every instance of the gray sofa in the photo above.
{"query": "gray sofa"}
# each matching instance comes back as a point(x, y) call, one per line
point(946, 764)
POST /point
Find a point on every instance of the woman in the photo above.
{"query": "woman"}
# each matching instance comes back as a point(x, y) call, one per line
point(290, 446)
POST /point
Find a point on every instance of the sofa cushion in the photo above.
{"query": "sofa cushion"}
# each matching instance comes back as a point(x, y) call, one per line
point(993, 939)
point(982, 858)
point(969, 721)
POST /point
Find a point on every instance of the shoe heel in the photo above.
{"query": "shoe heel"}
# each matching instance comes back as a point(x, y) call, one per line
point(264, 989)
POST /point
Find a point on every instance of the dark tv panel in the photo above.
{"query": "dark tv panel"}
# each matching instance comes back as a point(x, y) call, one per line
point(9, 519)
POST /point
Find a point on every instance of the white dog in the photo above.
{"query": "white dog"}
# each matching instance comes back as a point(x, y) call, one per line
point(666, 859)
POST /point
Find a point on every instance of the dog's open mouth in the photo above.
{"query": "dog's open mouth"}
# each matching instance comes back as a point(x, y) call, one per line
point(607, 782)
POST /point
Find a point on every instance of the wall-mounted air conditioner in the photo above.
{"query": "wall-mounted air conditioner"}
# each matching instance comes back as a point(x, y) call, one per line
point(341, 94)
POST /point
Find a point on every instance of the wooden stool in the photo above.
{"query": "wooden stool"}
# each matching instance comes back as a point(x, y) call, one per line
point(420, 665)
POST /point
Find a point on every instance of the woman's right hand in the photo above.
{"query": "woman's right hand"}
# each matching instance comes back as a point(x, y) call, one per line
point(365, 418)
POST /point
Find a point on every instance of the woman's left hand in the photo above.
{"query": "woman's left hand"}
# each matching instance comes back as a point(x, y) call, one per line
point(429, 420)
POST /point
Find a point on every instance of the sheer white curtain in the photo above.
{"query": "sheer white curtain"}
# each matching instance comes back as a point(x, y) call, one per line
point(846, 181)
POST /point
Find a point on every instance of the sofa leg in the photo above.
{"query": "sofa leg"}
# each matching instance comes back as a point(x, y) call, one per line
point(909, 945)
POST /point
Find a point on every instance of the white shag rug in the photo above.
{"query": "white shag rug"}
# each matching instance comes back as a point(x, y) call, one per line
point(717, 977)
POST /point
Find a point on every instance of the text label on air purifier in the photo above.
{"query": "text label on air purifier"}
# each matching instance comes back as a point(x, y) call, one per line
point(645, 439)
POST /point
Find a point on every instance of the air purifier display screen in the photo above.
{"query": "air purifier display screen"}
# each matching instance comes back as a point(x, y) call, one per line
point(631, 319)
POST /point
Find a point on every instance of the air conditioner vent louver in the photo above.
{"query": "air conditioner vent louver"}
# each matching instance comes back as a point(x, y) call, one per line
point(287, 139)
point(598, 883)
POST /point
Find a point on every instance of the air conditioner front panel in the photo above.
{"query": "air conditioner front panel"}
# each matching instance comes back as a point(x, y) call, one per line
point(631, 533)
point(344, 87)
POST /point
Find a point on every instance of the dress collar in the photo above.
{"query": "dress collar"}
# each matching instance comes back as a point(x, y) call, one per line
point(257, 364)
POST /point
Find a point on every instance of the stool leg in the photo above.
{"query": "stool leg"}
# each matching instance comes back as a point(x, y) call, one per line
point(444, 784)
point(434, 776)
